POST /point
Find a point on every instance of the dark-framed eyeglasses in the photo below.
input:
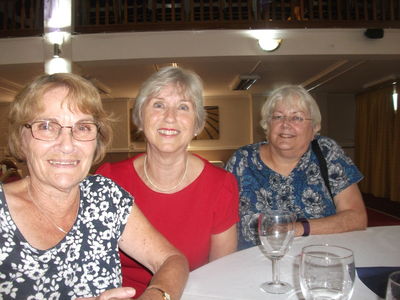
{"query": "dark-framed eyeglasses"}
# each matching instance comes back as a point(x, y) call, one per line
point(49, 130)
point(290, 119)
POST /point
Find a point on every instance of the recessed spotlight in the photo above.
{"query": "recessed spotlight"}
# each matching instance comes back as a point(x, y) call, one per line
point(269, 44)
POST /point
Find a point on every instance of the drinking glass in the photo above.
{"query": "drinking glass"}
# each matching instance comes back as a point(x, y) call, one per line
point(276, 233)
point(327, 272)
point(393, 286)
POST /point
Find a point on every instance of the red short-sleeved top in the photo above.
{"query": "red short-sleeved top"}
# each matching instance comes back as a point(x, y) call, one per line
point(188, 218)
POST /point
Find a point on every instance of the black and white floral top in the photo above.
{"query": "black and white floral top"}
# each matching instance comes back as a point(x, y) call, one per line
point(84, 264)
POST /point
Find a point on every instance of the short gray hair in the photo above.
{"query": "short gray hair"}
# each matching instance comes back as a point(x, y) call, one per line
point(290, 94)
point(188, 80)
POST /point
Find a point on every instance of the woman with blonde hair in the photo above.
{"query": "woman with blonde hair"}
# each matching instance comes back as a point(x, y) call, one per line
point(60, 228)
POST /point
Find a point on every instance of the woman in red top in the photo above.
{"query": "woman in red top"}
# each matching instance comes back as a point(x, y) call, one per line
point(191, 202)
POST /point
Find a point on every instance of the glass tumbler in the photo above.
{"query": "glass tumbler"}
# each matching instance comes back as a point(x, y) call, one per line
point(327, 272)
point(393, 286)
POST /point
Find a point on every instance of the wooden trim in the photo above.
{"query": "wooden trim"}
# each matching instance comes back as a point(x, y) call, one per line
point(156, 15)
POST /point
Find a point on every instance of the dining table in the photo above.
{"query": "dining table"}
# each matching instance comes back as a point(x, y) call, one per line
point(238, 276)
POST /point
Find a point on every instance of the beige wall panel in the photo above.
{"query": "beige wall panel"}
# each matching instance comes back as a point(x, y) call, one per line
point(4, 108)
point(120, 111)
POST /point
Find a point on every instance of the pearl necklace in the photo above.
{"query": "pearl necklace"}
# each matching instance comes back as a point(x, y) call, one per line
point(158, 188)
point(45, 215)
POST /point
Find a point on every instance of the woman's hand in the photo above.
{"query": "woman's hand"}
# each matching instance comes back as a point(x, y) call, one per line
point(350, 214)
point(121, 293)
point(169, 266)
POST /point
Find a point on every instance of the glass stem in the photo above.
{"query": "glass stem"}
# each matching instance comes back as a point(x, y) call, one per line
point(275, 271)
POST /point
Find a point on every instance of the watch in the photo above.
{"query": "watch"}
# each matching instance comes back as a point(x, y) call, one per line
point(164, 294)
point(306, 226)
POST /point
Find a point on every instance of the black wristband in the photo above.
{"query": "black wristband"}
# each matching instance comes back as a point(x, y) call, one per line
point(306, 226)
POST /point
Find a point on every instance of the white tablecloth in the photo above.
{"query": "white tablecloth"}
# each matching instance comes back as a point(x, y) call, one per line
point(239, 275)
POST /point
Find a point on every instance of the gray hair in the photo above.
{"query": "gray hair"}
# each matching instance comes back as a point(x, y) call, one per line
point(290, 94)
point(188, 80)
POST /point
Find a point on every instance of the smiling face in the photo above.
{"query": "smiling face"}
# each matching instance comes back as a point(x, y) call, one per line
point(291, 137)
point(169, 120)
point(64, 162)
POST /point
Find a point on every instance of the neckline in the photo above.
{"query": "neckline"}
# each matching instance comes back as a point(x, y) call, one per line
point(306, 155)
point(186, 188)
point(11, 222)
point(180, 181)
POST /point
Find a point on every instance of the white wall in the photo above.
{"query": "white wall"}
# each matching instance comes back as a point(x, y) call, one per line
point(235, 123)
point(120, 111)
point(4, 108)
point(342, 121)
point(338, 119)
point(258, 132)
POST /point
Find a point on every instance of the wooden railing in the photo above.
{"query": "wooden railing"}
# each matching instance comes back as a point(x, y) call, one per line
point(21, 18)
point(218, 14)
point(25, 17)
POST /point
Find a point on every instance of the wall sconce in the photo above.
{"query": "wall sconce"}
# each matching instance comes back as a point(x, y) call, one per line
point(56, 50)
point(395, 97)
point(57, 38)
point(269, 44)
point(57, 19)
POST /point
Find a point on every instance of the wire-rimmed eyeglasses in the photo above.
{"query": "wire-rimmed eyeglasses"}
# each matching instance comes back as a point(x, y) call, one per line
point(290, 119)
point(49, 130)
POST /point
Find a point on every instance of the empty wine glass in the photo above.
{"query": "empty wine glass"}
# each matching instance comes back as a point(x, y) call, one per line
point(327, 272)
point(393, 286)
point(276, 233)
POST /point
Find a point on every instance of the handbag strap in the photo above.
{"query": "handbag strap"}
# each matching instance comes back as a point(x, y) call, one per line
point(322, 165)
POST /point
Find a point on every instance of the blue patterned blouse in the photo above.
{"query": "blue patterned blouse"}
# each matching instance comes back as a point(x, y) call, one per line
point(302, 192)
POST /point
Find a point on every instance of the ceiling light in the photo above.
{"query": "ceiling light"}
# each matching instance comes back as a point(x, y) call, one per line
point(57, 65)
point(244, 82)
point(269, 44)
point(57, 37)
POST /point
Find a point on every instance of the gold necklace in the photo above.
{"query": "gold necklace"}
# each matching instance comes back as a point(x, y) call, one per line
point(158, 188)
point(45, 215)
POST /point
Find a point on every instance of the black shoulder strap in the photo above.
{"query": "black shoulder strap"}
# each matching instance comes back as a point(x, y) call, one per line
point(322, 164)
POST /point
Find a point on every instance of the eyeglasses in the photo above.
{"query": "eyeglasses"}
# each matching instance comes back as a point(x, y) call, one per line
point(290, 119)
point(50, 131)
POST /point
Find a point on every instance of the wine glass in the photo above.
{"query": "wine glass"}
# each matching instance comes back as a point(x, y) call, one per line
point(327, 272)
point(276, 233)
point(393, 286)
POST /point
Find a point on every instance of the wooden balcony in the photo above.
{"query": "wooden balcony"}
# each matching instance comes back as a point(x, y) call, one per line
point(21, 18)
point(25, 17)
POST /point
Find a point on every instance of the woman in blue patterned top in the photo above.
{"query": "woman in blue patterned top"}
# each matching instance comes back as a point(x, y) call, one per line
point(60, 229)
point(283, 171)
